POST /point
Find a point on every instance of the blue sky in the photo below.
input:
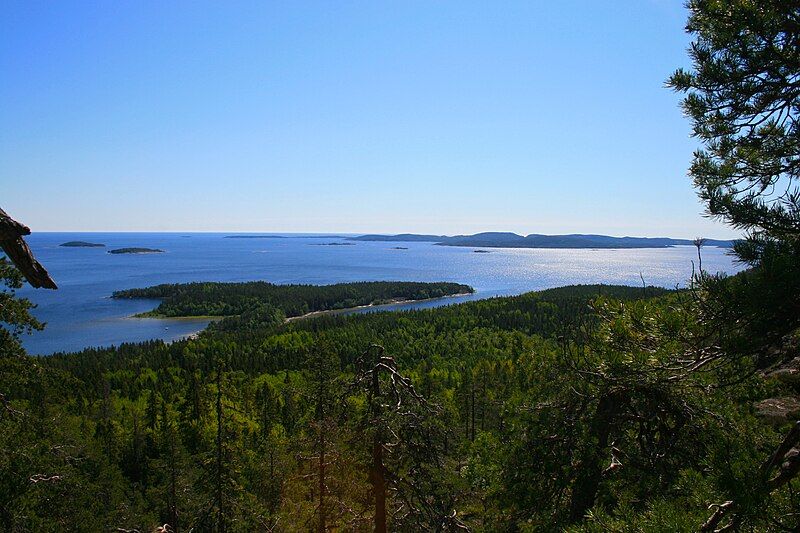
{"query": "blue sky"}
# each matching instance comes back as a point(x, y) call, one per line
point(442, 117)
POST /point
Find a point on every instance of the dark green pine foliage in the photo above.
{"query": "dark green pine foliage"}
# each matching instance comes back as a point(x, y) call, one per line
point(743, 97)
point(258, 300)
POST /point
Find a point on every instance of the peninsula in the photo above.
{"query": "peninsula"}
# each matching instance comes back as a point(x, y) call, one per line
point(258, 303)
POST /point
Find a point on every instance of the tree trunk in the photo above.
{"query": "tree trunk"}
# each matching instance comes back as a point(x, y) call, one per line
point(378, 470)
point(379, 485)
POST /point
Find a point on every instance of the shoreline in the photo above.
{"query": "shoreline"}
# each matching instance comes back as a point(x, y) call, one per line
point(147, 315)
point(314, 314)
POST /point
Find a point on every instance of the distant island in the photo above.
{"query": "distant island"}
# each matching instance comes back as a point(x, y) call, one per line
point(333, 244)
point(136, 251)
point(82, 244)
point(400, 248)
point(403, 237)
point(254, 237)
point(481, 251)
point(534, 240)
point(285, 237)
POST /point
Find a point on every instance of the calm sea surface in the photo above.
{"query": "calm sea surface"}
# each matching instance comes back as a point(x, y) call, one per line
point(81, 313)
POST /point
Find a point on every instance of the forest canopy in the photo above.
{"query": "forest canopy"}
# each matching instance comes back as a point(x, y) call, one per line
point(233, 299)
point(580, 409)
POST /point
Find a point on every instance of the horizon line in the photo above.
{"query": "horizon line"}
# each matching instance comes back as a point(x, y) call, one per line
point(351, 233)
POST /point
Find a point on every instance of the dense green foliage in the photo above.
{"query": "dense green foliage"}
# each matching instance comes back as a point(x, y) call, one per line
point(14, 312)
point(583, 408)
point(743, 97)
point(262, 302)
point(115, 401)
point(445, 332)
point(508, 411)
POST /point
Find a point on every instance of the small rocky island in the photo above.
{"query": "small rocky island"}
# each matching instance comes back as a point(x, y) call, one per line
point(136, 251)
point(82, 244)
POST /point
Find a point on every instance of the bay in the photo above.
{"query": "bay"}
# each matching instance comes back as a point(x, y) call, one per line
point(81, 313)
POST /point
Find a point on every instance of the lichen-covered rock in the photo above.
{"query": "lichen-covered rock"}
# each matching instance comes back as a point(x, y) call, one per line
point(788, 373)
point(779, 410)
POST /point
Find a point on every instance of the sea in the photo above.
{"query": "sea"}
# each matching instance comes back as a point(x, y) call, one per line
point(81, 313)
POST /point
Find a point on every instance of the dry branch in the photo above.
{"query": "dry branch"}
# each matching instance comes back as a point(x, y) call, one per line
point(17, 250)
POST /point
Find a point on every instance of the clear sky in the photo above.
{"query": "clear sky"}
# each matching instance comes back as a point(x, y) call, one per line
point(419, 116)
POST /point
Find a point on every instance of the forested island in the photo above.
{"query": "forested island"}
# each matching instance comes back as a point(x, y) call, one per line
point(82, 244)
point(284, 237)
point(512, 240)
point(402, 237)
point(266, 303)
point(136, 251)
point(254, 237)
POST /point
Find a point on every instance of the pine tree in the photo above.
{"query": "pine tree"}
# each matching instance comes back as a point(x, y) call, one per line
point(406, 444)
point(743, 96)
